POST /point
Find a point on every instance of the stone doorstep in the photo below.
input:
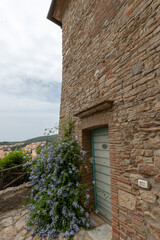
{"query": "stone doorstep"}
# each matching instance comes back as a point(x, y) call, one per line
point(103, 232)
point(97, 219)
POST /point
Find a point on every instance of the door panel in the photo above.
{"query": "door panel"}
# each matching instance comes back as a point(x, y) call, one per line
point(104, 195)
point(100, 139)
point(102, 161)
point(104, 212)
point(102, 169)
point(101, 172)
point(99, 146)
point(103, 186)
point(104, 178)
point(101, 153)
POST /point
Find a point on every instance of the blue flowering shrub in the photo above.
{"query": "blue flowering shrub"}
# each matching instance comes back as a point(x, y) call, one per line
point(56, 199)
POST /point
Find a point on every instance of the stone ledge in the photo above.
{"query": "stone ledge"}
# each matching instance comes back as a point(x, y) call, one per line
point(12, 197)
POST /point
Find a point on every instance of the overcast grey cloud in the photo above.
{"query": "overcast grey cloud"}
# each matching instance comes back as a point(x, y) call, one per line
point(30, 69)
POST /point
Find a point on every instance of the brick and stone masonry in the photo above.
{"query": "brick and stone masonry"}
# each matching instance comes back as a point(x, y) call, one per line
point(111, 50)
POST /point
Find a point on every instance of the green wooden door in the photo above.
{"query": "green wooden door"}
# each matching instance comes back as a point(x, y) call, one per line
point(101, 171)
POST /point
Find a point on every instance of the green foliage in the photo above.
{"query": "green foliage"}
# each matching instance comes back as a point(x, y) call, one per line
point(38, 150)
point(56, 199)
point(66, 127)
point(15, 158)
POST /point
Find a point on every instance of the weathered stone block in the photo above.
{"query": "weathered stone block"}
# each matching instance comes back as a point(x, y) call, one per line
point(148, 153)
point(157, 153)
point(157, 178)
point(5, 222)
point(157, 106)
point(149, 170)
point(21, 235)
point(8, 233)
point(148, 196)
point(137, 68)
point(156, 211)
point(126, 200)
point(141, 152)
point(20, 224)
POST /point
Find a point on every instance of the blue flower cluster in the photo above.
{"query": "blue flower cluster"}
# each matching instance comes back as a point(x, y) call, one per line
point(55, 202)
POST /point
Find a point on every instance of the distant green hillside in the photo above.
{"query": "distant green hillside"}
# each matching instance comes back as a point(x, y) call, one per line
point(32, 140)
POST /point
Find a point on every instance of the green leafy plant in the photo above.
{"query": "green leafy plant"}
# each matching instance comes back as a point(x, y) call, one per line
point(13, 159)
point(57, 201)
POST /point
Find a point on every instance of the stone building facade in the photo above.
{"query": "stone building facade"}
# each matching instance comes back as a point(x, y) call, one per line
point(111, 77)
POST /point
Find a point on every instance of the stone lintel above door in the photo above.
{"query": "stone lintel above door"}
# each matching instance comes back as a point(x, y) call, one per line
point(105, 104)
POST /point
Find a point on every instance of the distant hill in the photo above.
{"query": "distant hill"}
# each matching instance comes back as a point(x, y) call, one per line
point(32, 140)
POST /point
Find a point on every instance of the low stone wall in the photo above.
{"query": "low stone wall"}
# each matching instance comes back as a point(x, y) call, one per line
point(12, 197)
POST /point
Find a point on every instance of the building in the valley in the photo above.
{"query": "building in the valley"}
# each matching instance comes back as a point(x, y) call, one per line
point(32, 147)
point(2, 154)
point(111, 87)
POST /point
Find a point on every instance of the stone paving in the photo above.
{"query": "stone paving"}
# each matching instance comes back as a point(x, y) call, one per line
point(12, 228)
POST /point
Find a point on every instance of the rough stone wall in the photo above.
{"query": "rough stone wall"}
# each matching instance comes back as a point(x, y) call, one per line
point(111, 50)
point(12, 197)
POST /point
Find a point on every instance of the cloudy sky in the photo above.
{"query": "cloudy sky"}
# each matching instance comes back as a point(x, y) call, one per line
point(30, 69)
